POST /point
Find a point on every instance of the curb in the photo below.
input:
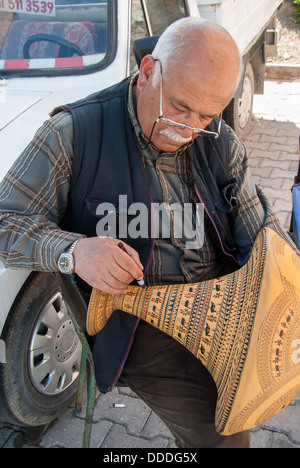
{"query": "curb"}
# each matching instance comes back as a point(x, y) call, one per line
point(282, 71)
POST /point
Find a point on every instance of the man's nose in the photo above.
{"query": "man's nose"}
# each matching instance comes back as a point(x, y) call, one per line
point(185, 132)
point(194, 121)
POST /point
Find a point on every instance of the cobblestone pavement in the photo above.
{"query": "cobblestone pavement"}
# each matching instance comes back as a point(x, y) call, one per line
point(273, 146)
point(273, 154)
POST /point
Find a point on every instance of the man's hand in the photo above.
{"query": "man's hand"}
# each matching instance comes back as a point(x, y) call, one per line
point(101, 263)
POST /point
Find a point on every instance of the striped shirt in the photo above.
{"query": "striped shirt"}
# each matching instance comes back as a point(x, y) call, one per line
point(173, 194)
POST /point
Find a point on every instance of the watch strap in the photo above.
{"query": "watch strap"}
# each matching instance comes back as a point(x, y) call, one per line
point(71, 249)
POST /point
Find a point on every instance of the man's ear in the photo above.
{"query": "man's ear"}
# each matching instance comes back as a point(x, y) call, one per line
point(146, 71)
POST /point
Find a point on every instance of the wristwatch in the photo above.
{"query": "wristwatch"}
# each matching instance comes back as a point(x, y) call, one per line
point(66, 262)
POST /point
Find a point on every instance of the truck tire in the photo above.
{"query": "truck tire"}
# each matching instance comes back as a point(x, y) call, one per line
point(239, 111)
point(39, 377)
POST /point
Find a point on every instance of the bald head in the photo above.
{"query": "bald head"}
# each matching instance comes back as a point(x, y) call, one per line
point(202, 49)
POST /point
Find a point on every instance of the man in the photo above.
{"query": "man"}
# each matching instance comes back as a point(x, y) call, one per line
point(157, 137)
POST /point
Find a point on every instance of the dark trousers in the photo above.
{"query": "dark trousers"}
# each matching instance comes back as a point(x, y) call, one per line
point(178, 388)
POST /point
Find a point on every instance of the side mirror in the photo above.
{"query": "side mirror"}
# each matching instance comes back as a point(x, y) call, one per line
point(144, 46)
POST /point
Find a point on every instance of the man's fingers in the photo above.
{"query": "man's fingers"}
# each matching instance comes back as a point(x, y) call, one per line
point(104, 265)
point(108, 288)
point(132, 254)
point(116, 275)
point(128, 259)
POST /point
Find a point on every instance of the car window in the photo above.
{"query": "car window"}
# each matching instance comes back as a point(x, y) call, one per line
point(164, 12)
point(138, 29)
point(151, 17)
point(42, 34)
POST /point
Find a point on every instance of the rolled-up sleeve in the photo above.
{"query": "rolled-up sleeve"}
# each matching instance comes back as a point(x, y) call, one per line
point(34, 197)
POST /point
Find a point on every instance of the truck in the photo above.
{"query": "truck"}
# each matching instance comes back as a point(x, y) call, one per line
point(57, 51)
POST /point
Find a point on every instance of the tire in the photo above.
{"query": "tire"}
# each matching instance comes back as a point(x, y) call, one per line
point(239, 111)
point(39, 378)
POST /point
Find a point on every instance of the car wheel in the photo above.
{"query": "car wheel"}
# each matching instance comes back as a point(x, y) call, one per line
point(39, 377)
point(239, 111)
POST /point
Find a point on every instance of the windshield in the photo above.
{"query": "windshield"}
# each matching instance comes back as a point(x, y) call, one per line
point(52, 34)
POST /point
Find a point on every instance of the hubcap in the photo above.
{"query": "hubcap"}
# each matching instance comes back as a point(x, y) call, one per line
point(55, 349)
point(245, 103)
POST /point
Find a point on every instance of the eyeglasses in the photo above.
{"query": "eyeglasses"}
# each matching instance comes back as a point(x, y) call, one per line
point(172, 123)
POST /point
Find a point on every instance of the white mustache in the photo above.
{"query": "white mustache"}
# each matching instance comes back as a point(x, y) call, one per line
point(174, 136)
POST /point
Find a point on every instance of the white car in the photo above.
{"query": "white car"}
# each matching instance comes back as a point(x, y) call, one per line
point(53, 52)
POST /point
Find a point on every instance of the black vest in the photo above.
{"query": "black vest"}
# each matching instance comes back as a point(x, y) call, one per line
point(107, 164)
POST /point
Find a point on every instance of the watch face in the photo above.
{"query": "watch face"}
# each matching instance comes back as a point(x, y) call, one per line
point(65, 263)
